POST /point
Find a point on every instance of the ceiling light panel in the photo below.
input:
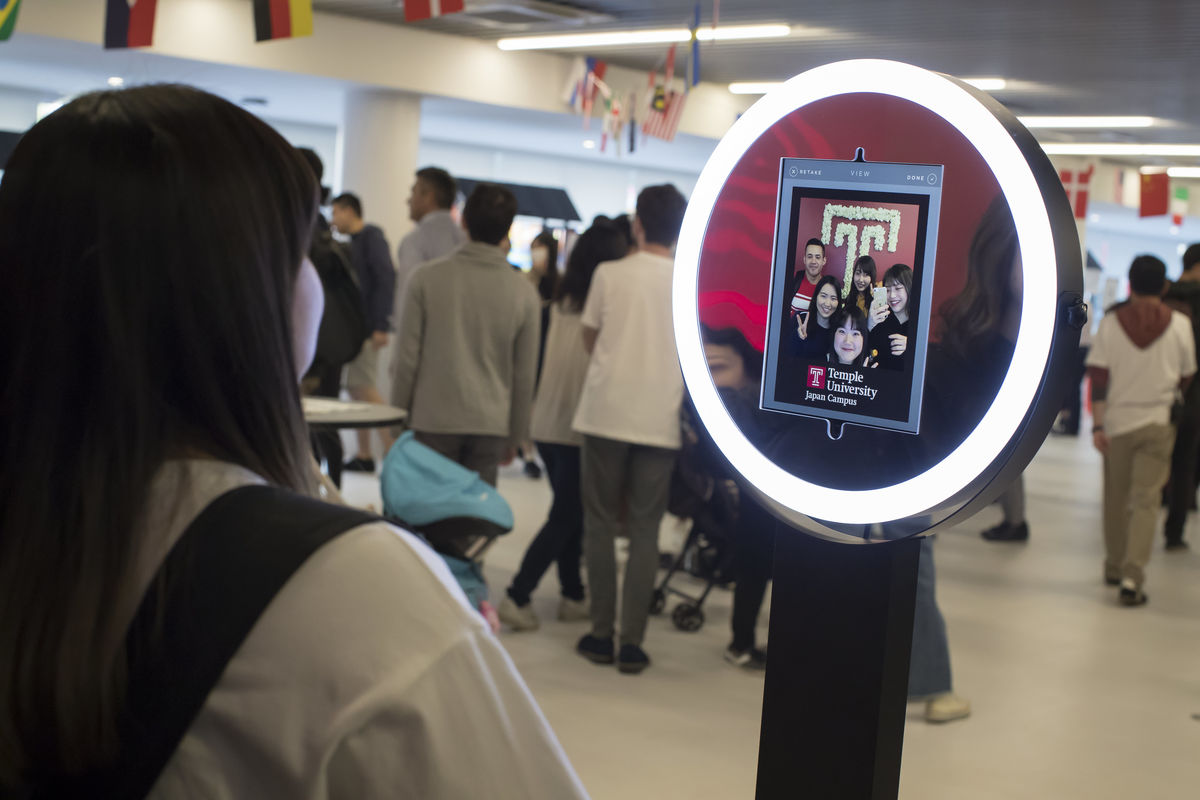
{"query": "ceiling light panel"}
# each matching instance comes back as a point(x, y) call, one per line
point(577, 41)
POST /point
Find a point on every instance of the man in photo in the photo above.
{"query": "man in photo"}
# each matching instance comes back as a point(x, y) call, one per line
point(814, 268)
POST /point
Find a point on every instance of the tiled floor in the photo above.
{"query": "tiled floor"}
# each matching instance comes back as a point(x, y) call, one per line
point(1074, 696)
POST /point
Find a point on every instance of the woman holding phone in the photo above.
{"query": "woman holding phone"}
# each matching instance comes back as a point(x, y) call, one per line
point(891, 322)
point(813, 328)
point(861, 284)
point(849, 345)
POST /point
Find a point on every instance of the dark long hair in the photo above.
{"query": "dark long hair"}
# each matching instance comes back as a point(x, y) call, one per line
point(547, 283)
point(866, 265)
point(858, 319)
point(599, 243)
point(812, 304)
point(978, 311)
point(151, 240)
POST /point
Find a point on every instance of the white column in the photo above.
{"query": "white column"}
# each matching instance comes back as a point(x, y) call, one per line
point(380, 137)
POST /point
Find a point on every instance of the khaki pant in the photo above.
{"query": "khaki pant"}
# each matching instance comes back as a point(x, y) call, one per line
point(1135, 471)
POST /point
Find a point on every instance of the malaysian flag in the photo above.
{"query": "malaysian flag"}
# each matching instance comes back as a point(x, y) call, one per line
point(663, 124)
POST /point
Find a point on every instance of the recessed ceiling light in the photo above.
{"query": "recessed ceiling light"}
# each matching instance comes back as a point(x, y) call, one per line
point(1184, 172)
point(1127, 150)
point(589, 144)
point(1087, 122)
point(575, 41)
point(116, 81)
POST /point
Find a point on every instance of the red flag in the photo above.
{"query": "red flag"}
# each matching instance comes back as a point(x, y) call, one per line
point(1076, 182)
point(1155, 195)
point(129, 23)
point(427, 9)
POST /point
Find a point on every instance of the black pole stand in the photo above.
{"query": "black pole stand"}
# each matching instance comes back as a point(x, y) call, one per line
point(837, 675)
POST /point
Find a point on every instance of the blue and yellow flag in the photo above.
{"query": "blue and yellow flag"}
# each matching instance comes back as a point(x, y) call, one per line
point(8, 17)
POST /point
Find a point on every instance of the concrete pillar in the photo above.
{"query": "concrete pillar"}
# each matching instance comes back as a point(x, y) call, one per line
point(380, 137)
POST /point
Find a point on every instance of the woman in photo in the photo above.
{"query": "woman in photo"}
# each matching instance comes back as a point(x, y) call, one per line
point(891, 328)
point(861, 284)
point(813, 328)
point(849, 345)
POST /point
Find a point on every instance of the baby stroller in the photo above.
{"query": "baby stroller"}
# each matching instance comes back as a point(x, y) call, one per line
point(448, 505)
point(698, 492)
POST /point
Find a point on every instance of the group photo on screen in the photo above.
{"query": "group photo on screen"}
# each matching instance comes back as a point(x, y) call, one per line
point(846, 317)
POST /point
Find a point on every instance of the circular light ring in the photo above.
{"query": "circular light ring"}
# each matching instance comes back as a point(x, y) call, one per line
point(959, 108)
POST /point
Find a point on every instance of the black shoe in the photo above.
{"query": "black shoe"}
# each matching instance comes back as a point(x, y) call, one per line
point(1132, 597)
point(751, 658)
point(359, 464)
point(1110, 581)
point(533, 470)
point(1007, 533)
point(632, 659)
point(595, 649)
point(1175, 545)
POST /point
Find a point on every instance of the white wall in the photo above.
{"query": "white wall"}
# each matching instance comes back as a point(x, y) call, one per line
point(595, 187)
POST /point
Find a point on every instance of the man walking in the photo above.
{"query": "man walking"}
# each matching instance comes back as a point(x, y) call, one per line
point(372, 262)
point(629, 416)
point(467, 352)
point(1142, 355)
point(1184, 295)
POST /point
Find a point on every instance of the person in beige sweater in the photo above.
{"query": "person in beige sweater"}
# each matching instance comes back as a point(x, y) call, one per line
point(468, 344)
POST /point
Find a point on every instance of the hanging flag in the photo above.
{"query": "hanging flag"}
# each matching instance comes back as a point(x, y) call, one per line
point(573, 89)
point(282, 19)
point(1179, 205)
point(1076, 182)
point(664, 124)
point(694, 61)
point(1154, 200)
point(669, 70)
point(415, 10)
point(596, 71)
point(633, 127)
point(129, 23)
point(8, 17)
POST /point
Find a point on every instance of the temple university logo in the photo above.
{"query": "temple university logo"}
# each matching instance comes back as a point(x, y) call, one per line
point(864, 230)
point(816, 377)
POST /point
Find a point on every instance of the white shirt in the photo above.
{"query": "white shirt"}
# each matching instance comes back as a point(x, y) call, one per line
point(564, 370)
point(1142, 383)
point(634, 386)
point(368, 676)
point(436, 236)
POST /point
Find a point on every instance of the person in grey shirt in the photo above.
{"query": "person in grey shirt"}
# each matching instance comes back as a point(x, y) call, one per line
point(466, 359)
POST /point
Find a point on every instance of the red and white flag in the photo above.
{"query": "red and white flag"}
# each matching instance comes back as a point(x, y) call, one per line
point(1075, 182)
point(663, 124)
point(415, 10)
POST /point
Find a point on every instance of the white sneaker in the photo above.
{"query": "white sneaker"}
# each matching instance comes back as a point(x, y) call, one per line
point(946, 707)
point(519, 618)
point(574, 610)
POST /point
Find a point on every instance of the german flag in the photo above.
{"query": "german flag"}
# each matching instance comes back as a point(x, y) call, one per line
point(129, 23)
point(282, 19)
point(8, 17)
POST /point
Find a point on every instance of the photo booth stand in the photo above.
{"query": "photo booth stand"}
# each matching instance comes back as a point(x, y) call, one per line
point(842, 611)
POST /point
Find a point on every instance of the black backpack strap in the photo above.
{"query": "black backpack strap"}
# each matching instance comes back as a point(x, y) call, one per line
point(209, 593)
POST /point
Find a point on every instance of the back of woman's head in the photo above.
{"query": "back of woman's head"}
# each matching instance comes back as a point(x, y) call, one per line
point(599, 243)
point(987, 296)
point(151, 239)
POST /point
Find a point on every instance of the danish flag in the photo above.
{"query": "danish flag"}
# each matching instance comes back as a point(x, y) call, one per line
point(426, 9)
point(1075, 182)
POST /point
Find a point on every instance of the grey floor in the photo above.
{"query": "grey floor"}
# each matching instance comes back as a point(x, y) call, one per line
point(1073, 696)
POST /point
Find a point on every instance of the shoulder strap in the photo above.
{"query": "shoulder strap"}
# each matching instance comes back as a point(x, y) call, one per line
point(209, 593)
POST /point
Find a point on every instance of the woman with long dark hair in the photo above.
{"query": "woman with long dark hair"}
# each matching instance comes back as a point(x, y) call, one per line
point(158, 311)
point(812, 329)
point(561, 538)
point(861, 283)
point(894, 323)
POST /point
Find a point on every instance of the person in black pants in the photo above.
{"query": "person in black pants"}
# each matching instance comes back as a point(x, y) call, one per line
point(1184, 296)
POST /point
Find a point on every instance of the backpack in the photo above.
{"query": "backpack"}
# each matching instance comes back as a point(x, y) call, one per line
point(344, 323)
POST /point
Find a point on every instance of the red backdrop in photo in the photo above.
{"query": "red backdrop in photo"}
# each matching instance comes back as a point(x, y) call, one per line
point(812, 213)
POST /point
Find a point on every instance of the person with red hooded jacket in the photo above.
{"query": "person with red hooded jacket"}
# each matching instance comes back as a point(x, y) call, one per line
point(1142, 357)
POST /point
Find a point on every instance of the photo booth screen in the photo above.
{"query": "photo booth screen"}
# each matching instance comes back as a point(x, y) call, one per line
point(851, 291)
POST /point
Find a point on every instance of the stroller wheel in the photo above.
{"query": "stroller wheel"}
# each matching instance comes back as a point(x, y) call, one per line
point(687, 617)
point(659, 602)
